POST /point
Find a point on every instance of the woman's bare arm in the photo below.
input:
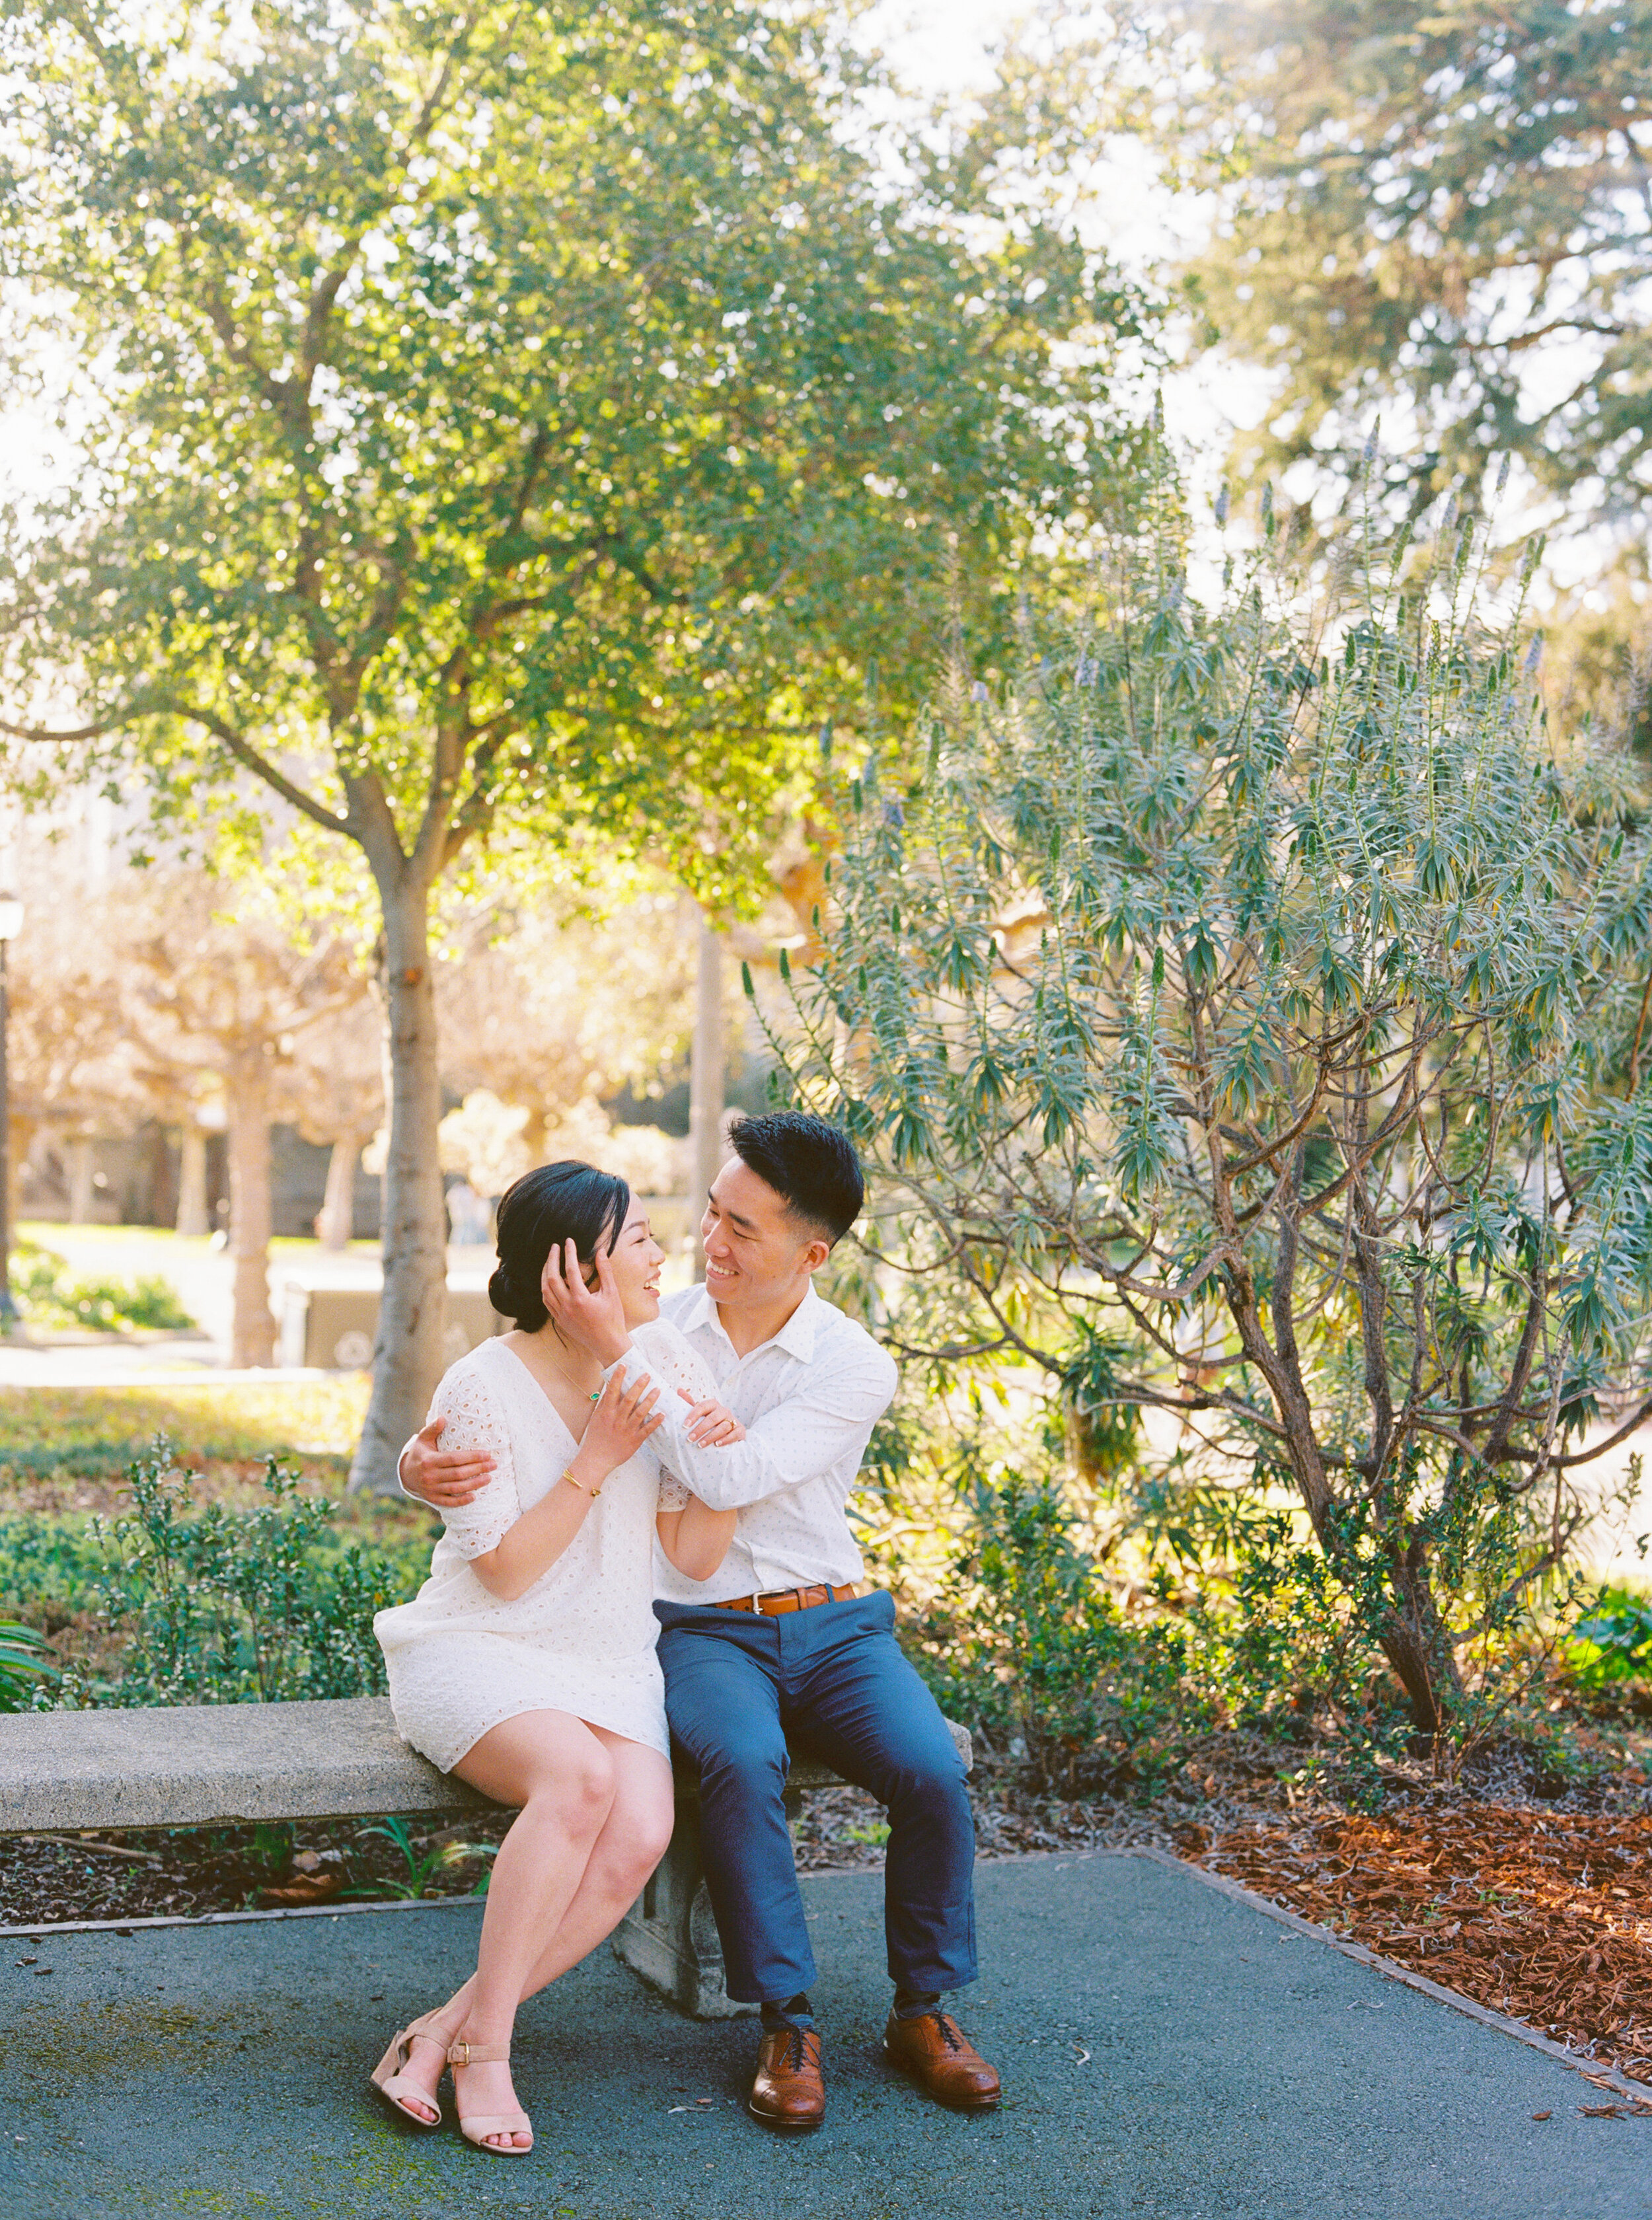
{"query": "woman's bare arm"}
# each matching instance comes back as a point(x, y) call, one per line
point(617, 1427)
point(697, 1538)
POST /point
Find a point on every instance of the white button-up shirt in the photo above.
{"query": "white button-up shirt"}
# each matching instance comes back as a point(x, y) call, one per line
point(808, 1400)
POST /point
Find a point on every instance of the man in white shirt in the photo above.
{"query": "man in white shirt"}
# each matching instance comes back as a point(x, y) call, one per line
point(781, 1640)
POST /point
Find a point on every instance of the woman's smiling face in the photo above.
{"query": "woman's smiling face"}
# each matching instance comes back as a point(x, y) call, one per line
point(635, 1263)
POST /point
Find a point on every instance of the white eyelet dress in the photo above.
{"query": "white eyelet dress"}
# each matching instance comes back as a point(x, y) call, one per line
point(581, 1638)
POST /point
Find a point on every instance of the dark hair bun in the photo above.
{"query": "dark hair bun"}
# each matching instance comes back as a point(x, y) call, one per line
point(545, 1208)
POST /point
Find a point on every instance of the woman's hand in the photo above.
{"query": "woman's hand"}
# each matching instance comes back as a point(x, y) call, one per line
point(615, 1431)
point(712, 1425)
point(592, 1319)
point(620, 1424)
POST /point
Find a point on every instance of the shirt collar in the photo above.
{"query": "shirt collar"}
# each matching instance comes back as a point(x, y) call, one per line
point(795, 1337)
point(697, 1311)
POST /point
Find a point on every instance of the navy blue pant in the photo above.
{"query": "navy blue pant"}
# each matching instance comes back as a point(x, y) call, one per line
point(833, 1680)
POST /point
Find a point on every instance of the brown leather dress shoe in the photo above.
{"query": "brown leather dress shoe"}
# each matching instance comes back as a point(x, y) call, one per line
point(789, 2092)
point(944, 2062)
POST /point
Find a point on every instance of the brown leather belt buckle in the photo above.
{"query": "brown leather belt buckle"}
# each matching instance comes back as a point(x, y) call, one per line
point(775, 1602)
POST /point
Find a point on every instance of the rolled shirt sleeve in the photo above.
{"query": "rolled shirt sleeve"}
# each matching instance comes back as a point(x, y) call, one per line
point(801, 1439)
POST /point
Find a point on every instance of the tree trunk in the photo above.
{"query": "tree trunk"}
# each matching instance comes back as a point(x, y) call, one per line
point(192, 1216)
point(408, 1355)
point(1409, 1640)
point(81, 1189)
point(338, 1212)
point(247, 1087)
point(706, 1082)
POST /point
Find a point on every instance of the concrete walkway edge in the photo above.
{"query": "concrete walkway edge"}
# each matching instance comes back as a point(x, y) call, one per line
point(1591, 2068)
point(1597, 2074)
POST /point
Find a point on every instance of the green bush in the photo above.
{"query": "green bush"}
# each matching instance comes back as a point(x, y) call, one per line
point(1289, 1645)
point(1250, 1033)
point(1095, 1696)
point(1027, 1639)
point(49, 1566)
point(23, 1668)
point(47, 1296)
point(222, 1607)
point(1613, 1643)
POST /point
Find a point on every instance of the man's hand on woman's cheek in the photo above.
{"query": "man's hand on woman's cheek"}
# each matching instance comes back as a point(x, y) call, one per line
point(447, 1479)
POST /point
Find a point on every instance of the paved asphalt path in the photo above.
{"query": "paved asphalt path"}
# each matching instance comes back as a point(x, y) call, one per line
point(1236, 2070)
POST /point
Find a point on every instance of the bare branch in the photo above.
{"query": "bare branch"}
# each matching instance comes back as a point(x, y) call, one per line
point(237, 745)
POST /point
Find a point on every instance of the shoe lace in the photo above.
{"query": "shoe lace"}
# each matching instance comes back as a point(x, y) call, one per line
point(952, 2035)
point(794, 2049)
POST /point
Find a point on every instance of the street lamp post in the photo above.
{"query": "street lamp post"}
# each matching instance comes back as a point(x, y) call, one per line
point(11, 919)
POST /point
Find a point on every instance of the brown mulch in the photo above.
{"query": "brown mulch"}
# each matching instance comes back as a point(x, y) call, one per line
point(1543, 1915)
point(181, 1873)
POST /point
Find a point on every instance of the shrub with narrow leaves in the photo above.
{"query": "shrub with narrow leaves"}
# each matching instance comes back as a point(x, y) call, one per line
point(1252, 1001)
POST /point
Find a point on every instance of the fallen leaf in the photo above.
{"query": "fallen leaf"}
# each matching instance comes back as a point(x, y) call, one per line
point(1543, 2116)
point(309, 1888)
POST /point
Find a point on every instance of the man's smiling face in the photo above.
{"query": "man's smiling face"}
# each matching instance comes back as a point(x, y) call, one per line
point(756, 1251)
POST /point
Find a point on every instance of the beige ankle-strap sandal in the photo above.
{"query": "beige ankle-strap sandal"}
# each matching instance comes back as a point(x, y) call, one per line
point(390, 2073)
point(480, 2125)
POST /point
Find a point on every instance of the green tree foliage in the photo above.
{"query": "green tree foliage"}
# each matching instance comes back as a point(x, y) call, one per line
point(510, 422)
point(1247, 1020)
point(1443, 211)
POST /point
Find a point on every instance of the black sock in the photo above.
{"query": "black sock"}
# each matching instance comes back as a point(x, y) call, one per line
point(913, 2004)
point(794, 2012)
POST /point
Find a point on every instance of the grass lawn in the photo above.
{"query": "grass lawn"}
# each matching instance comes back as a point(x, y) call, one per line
point(69, 1435)
point(48, 1233)
point(64, 1454)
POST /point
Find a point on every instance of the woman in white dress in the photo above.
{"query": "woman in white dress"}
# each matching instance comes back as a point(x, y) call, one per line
point(526, 1663)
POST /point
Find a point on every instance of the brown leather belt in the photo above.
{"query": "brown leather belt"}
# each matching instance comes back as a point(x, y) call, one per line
point(776, 1600)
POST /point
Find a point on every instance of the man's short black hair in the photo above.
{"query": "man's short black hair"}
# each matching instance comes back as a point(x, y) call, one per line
point(809, 1163)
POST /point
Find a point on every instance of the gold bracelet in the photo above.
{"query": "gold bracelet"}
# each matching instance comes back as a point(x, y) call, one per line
point(592, 1491)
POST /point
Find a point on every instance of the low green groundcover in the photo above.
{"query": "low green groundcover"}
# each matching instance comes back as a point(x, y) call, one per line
point(51, 1298)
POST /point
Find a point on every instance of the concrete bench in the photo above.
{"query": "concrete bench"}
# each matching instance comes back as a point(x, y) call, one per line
point(231, 1764)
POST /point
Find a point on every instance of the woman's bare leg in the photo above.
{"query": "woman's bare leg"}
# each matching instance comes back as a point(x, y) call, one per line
point(554, 1768)
point(632, 1841)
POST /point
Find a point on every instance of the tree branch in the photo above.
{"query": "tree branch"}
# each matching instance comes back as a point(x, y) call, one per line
point(242, 749)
